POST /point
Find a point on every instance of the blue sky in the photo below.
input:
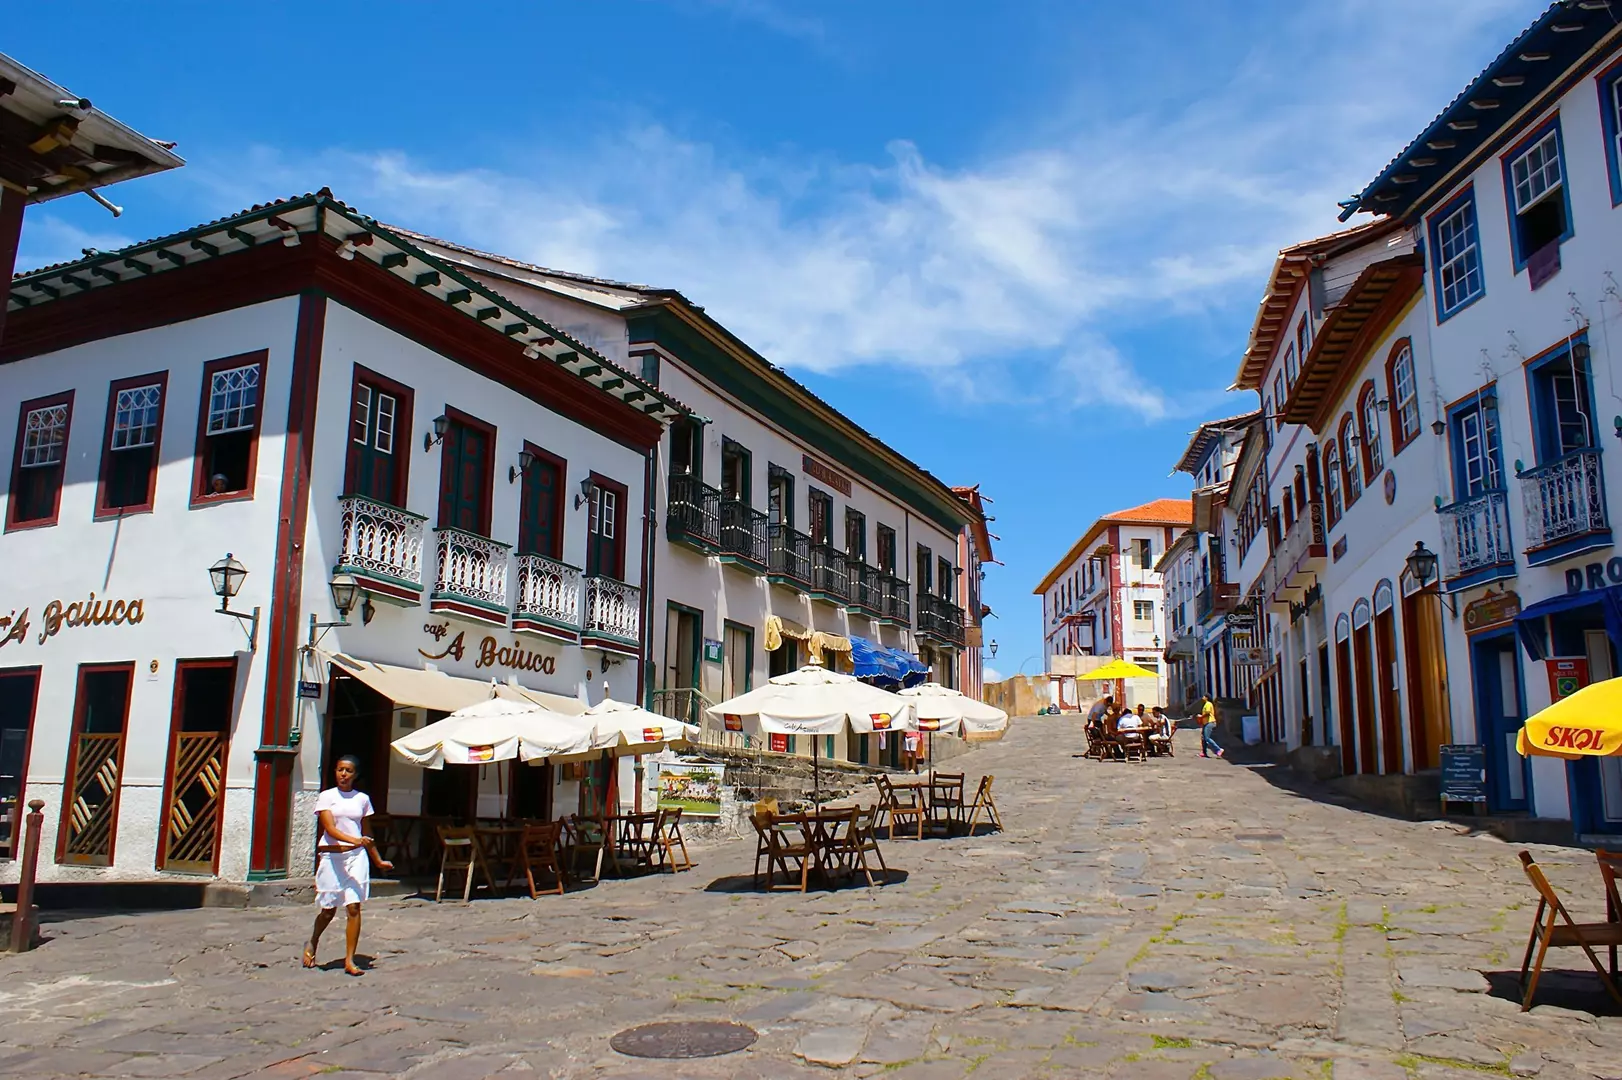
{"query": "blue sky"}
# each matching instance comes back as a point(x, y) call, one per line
point(1021, 241)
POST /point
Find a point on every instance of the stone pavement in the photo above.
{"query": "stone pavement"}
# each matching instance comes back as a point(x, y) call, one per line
point(1186, 919)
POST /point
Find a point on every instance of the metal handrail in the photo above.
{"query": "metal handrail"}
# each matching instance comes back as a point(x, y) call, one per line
point(694, 509)
point(743, 532)
point(1564, 498)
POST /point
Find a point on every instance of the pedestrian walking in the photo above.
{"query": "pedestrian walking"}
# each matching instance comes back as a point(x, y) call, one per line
point(1208, 743)
point(343, 873)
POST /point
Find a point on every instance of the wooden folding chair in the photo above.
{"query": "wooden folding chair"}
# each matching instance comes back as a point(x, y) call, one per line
point(860, 838)
point(1553, 927)
point(667, 835)
point(1134, 747)
point(538, 852)
point(583, 835)
point(906, 804)
point(881, 809)
point(946, 807)
point(460, 853)
point(783, 849)
point(984, 804)
point(1610, 870)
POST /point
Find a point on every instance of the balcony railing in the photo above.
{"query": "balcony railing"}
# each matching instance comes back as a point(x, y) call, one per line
point(471, 567)
point(613, 610)
point(938, 617)
point(790, 557)
point(895, 599)
point(1564, 499)
point(1475, 535)
point(379, 540)
point(694, 512)
point(1215, 598)
point(548, 591)
point(743, 533)
point(866, 588)
point(829, 578)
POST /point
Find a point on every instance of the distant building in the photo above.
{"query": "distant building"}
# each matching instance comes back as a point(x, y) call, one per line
point(974, 555)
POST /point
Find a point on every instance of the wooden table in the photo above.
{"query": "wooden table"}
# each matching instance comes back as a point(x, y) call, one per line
point(636, 834)
point(821, 830)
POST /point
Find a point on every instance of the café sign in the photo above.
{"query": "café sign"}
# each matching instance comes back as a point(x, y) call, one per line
point(1494, 609)
point(57, 615)
point(491, 652)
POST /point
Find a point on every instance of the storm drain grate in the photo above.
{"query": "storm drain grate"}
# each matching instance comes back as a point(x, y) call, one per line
point(684, 1039)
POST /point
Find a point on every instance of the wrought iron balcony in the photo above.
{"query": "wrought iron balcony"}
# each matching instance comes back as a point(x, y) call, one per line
point(381, 545)
point(790, 556)
point(613, 612)
point(866, 589)
point(1215, 598)
point(548, 596)
point(1293, 566)
point(939, 618)
point(895, 599)
point(472, 576)
point(1564, 500)
point(744, 538)
point(829, 577)
point(1475, 536)
point(694, 514)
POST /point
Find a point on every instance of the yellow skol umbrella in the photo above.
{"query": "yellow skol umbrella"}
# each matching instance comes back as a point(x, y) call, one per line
point(1118, 669)
point(1586, 724)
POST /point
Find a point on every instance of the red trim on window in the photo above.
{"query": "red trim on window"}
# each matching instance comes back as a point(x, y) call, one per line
point(457, 416)
point(16, 826)
point(181, 667)
point(1332, 513)
point(1348, 494)
point(1394, 410)
point(103, 511)
point(403, 398)
point(1364, 392)
point(559, 499)
point(199, 481)
point(12, 524)
point(622, 492)
point(70, 781)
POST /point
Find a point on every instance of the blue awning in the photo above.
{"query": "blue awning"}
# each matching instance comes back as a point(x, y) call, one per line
point(1530, 624)
point(883, 665)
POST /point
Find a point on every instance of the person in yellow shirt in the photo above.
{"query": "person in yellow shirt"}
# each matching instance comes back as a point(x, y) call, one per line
point(1208, 743)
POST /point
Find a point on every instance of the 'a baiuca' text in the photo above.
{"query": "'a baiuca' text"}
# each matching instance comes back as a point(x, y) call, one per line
point(91, 612)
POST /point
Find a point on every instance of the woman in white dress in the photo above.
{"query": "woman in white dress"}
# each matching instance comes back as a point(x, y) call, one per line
point(343, 873)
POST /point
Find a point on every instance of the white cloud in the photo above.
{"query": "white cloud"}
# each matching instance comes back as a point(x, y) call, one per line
point(990, 674)
point(48, 239)
point(1021, 277)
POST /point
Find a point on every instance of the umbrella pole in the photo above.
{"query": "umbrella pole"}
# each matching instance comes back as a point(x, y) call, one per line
point(816, 771)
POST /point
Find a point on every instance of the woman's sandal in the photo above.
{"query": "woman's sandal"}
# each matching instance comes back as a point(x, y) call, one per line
point(309, 957)
point(355, 971)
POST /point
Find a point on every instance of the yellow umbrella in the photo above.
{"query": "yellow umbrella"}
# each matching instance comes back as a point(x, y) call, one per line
point(1119, 669)
point(1586, 724)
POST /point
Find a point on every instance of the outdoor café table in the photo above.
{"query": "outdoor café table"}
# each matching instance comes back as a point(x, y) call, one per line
point(634, 835)
point(499, 842)
point(822, 830)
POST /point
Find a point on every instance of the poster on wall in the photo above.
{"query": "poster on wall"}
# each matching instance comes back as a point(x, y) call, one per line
point(692, 787)
point(1567, 675)
point(1464, 773)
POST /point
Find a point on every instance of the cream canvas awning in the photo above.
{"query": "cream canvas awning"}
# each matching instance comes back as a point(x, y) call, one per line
point(778, 628)
point(439, 692)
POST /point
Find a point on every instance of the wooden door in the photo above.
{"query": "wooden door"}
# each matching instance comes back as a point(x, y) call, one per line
point(194, 789)
point(89, 829)
point(19, 694)
point(605, 546)
point(540, 522)
point(1385, 679)
point(376, 465)
point(1499, 714)
point(464, 479)
point(1363, 677)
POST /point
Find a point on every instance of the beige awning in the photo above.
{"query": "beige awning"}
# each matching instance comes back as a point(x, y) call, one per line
point(778, 628)
point(438, 692)
point(822, 642)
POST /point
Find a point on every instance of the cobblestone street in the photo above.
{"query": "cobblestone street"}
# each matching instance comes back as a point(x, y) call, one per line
point(1181, 918)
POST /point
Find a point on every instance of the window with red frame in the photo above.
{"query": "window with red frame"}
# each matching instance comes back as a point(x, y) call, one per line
point(1278, 399)
point(228, 428)
point(36, 467)
point(1332, 482)
point(377, 460)
point(129, 461)
point(1402, 390)
point(1349, 466)
point(1369, 413)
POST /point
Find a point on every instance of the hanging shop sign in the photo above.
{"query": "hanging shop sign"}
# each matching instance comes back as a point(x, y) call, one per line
point(491, 652)
point(57, 615)
point(1567, 675)
point(1247, 657)
point(1338, 552)
point(712, 651)
point(826, 474)
point(1494, 609)
point(1240, 620)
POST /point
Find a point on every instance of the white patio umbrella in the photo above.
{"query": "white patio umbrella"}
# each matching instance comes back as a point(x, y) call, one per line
point(941, 708)
point(816, 701)
point(497, 729)
point(625, 729)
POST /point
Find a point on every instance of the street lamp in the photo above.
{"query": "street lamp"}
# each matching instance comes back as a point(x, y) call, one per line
point(588, 491)
point(343, 588)
point(442, 424)
point(226, 578)
point(1422, 565)
point(525, 460)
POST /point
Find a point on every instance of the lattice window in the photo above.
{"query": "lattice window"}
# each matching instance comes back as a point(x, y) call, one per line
point(44, 436)
point(1458, 257)
point(1536, 173)
point(135, 417)
point(233, 395)
point(1407, 396)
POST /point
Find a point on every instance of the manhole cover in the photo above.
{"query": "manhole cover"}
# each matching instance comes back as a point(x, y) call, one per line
point(1258, 836)
point(691, 1039)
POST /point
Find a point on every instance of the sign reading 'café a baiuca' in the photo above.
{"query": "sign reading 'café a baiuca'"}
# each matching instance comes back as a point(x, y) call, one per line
point(57, 615)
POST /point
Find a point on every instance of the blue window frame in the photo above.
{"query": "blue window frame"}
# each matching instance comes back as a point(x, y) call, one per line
point(1535, 194)
point(1455, 244)
point(1610, 115)
point(1478, 453)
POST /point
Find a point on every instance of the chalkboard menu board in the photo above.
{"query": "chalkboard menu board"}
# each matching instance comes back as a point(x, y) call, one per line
point(1464, 773)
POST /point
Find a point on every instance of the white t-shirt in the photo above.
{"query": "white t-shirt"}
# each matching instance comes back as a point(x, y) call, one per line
point(349, 809)
point(1129, 722)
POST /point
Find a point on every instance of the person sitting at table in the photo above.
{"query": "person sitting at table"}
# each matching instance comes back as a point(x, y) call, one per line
point(1130, 721)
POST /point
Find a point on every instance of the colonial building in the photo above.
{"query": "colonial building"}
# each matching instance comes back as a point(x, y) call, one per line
point(284, 486)
point(1179, 571)
point(974, 554)
point(1105, 597)
point(789, 533)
